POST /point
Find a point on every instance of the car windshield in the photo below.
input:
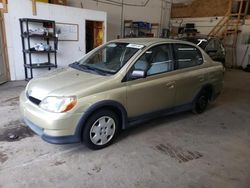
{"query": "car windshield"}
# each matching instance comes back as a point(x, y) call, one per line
point(109, 59)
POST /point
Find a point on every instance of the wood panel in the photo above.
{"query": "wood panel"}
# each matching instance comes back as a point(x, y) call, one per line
point(4, 50)
point(200, 8)
point(5, 6)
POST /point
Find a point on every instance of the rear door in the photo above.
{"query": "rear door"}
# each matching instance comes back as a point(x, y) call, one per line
point(190, 71)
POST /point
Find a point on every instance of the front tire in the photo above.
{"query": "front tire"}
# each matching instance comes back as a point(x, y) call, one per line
point(101, 129)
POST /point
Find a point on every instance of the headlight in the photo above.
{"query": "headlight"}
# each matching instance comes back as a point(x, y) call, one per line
point(58, 104)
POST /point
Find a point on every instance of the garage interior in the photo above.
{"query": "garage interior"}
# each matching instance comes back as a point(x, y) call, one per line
point(208, 150)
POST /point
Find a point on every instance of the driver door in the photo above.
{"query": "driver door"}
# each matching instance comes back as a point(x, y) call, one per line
point(157, 90)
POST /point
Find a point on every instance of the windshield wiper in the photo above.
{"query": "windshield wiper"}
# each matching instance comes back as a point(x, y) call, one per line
point(101, 72)
point(87, 68)
point(75, 65)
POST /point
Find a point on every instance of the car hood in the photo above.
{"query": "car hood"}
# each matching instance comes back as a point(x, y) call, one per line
point(65, 82)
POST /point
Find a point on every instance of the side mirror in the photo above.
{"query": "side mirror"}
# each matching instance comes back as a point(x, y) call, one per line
point(138, 74)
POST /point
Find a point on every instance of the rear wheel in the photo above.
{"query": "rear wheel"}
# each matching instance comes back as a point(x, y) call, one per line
point(201, 103)
point(101, 129)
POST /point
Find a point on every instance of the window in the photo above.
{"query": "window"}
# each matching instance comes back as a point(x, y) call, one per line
point(187, 56)
point(156, 60)
point(211, 45)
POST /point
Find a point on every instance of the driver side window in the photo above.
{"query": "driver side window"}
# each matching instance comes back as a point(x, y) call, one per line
point(156, 60)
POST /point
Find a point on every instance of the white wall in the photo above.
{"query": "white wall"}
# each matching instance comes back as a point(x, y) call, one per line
point(243, 49)
point(151, 13)
point(68, 51)
point(113, 15)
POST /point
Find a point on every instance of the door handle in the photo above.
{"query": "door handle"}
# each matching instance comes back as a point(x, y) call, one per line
point(201, 78)
point(170, 85)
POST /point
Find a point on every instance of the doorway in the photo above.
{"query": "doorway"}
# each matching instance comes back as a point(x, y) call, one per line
point(94, 34)
point(4, 75)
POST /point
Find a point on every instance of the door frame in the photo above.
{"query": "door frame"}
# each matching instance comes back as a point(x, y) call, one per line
point(4, 41)
point(103, 29)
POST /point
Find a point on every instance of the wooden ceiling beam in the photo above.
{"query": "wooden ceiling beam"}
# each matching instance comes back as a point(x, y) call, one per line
point(5, 6)
point(34, 8)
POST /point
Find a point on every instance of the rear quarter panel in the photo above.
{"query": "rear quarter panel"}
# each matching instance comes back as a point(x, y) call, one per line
point(215, 75)
point(189, 84)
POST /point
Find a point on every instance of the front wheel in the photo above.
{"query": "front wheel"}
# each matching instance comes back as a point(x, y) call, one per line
point(101, 129)
point(201, 103)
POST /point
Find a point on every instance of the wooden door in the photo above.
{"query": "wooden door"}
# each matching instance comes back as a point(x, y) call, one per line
point(98, 34)
point(3, 65)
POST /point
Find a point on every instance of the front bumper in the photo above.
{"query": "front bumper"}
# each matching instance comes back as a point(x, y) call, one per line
point(56, 128)
point(52, 139)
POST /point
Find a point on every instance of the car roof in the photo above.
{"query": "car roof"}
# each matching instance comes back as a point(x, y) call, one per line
point(196, 37)
point(148, 41)
point(199, 37)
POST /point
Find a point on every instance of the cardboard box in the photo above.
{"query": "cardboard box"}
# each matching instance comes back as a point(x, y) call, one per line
point(43, 1)
point(59, 2)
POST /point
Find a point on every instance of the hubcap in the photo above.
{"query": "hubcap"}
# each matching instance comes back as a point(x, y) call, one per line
point(102, 131)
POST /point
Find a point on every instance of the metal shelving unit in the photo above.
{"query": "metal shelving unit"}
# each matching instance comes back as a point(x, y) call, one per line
point(26, 36)
point(140, 29)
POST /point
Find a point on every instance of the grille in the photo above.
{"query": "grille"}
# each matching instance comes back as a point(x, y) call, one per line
point(34, 100)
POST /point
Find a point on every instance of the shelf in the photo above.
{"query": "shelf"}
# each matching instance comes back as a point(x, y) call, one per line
point(36, 20)
point(140, 29)
point(153, 25)
point(40, 65)
point(38, 36)
point(41, 52)
point(29, 37)
point(128, 21)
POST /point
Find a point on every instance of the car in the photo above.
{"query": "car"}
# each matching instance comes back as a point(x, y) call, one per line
point(211, 45)
point(117, 85)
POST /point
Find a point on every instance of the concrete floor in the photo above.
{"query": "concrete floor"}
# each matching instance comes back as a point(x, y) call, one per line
point(182, 150)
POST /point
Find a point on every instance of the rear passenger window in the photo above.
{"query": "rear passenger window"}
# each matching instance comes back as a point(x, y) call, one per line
point(187, 56)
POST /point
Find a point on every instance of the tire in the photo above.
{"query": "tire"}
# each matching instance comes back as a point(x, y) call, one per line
point(101, 129)
point(201, 103)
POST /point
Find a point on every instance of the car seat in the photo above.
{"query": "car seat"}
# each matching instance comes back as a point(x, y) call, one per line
point(161, 63)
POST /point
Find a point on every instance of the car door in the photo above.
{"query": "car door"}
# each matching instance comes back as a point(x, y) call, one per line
point(157, 90)
point(191, 73)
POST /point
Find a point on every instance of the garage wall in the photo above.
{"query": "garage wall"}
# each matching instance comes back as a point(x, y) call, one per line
point(204, 25)
point(68, 51)
point(243, 46)
point(151, 13)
